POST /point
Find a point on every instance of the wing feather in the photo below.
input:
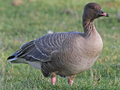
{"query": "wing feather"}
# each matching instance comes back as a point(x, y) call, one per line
point(41, 48)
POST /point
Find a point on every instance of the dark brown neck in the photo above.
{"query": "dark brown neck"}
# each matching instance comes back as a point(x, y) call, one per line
point(88, 27)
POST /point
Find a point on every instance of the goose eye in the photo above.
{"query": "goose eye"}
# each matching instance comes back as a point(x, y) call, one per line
point(92, 7)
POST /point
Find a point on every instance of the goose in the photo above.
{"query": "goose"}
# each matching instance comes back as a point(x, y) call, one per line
point(65, 53)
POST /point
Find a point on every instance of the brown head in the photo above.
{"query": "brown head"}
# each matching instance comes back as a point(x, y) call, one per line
point(93, 11)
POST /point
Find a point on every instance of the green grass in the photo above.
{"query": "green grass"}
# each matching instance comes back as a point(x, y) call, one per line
point(20, 24)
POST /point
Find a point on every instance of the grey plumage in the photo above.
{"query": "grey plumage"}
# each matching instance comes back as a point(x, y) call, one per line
point(64, 54)
point(44, 47)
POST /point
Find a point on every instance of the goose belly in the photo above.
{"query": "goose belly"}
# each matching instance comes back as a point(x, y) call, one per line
point(79, 67)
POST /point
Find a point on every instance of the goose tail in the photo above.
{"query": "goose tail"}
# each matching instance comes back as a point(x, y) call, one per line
point(14, 59)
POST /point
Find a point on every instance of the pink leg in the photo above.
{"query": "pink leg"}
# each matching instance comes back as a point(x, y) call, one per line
point(70, 79)
point(53, 78)
point(70, 82)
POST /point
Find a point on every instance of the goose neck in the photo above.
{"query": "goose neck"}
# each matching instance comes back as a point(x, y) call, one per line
point(88, 27)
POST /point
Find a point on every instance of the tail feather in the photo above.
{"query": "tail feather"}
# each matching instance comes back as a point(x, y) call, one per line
point(15, 59)
point(18, 60)
point(19, 54)
point(12, 56)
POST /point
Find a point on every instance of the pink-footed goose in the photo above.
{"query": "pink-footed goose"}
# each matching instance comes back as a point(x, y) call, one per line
point(65, 54)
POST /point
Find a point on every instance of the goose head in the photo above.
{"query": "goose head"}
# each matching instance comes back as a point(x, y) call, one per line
point(93, 11)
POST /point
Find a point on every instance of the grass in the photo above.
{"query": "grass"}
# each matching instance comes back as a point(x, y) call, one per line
point(20, 24)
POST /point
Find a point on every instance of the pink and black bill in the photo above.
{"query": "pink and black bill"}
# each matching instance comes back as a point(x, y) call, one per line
point(102, 13)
